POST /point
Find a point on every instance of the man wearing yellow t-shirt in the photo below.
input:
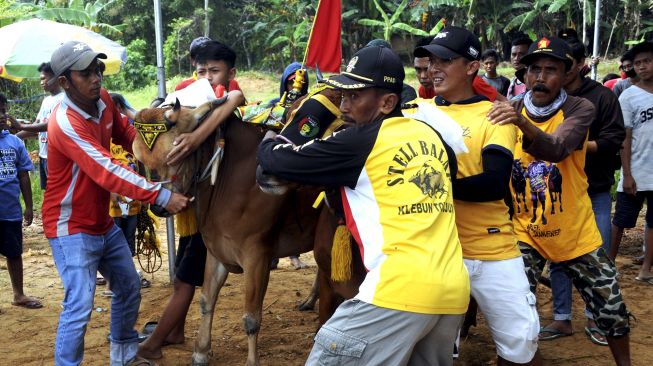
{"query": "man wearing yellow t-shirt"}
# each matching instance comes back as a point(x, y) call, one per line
point(491, 255)
point(394, 175)
point(550, 152)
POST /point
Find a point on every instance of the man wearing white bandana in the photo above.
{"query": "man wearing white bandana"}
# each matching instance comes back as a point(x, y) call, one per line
point(554, 219)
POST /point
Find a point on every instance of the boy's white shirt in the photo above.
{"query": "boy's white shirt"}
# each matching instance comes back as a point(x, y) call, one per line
point(194, 95)
point(450, 131)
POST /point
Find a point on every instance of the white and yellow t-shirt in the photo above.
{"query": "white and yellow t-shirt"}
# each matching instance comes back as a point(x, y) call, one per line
point(396, 191)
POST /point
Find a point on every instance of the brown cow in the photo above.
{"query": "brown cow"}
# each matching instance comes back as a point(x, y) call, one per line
point(243, 228)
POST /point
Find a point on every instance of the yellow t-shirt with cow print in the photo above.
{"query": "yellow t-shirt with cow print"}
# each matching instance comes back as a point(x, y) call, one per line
point(395, 184)
point(553, 212)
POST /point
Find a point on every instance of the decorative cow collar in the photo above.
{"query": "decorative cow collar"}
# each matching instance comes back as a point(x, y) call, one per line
point(150, 131)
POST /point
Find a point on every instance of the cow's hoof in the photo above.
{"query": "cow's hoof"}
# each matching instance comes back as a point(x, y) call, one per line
point(307, 306)
point(200, 359)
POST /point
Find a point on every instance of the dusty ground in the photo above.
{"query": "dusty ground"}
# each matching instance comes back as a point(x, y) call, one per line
point(27, 336)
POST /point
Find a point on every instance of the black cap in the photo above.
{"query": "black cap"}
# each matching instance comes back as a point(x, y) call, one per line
point(568, 34)
point(370, 67)
point(551, 47)
point(452, 42)
point(72, 55)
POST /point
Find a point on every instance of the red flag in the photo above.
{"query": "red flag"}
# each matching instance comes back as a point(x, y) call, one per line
point(324, 48)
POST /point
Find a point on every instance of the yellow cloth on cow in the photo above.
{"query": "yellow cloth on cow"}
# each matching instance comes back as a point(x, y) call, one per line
point(262, 114)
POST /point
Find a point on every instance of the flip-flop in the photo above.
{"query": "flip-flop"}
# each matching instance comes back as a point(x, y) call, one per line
point(648, 280)
point(638, 260)
point(145, 283)
point(31, 304)
point(100, 281)
point(148, 328)
point(139, 361)
point(590, 333)
point(554, 333)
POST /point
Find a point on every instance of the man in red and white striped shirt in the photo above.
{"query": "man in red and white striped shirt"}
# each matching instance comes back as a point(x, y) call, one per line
point(84, 239)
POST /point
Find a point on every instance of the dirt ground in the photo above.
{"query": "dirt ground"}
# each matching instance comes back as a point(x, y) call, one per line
point(286, 335)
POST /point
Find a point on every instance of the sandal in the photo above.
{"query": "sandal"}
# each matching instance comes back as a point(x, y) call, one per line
point(145, 283)
point(100, 281)
point(590, 333)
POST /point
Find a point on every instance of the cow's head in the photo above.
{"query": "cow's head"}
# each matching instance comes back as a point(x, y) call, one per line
point(157, 129)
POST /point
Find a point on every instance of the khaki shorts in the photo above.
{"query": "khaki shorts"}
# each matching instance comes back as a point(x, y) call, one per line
point(364, 334)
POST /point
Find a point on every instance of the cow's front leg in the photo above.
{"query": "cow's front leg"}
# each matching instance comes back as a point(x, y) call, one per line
point(215, 275)
point(309, 303)
point(257, 275)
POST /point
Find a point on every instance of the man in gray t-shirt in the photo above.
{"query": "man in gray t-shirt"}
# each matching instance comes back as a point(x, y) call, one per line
point(636, 181)
point(629, 70)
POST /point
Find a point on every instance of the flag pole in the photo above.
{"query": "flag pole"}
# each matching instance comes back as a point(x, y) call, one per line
point(595, 49)
point(310, 35)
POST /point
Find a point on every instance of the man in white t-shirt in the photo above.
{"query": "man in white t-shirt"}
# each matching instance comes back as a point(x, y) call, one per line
point(40, 126)
point(636, 181)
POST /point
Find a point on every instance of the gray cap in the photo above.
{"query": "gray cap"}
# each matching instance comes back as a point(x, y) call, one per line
point(72, 55)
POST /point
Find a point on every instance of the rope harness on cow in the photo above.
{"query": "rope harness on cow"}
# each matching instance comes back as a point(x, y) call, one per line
point(147, 243)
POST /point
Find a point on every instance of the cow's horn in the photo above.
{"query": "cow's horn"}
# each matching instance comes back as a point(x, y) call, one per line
point(200, 113)
point(177, 105)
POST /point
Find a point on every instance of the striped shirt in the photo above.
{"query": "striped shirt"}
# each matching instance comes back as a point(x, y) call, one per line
point(82, 172)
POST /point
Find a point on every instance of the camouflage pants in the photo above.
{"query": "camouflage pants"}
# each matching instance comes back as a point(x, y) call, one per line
point(595, 277)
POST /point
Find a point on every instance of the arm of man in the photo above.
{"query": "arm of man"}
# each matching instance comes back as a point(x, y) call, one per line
point(628, 113)
point(189, 142)
point(80, 145)
point(26, 191)
point(629, 184)
point(33, 127)
point(490, 185)
point(24, 166)
point(612, 132)
point(333, 162)
point(553, 147)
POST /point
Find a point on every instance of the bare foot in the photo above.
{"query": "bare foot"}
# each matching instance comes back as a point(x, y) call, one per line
point(297, 263)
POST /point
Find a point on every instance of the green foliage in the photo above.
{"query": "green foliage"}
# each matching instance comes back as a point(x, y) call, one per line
point(389, 23)
point(76, 12)
point(136, 73)
point(175, 47)
point(10, 11)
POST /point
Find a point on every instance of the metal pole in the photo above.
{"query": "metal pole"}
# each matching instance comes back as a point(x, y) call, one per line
point(206, 18)
point(584, 22)
point(595, 50)
point(161, 81)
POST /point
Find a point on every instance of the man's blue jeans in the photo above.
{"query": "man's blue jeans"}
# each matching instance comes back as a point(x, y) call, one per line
point(77, 258)
point(560, 282)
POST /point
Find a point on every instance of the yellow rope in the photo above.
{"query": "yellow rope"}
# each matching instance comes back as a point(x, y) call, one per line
point(341, 257)
point(186, 222)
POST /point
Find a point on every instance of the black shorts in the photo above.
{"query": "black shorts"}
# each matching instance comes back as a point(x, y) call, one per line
point(629, 206)
point(191, 259)
point(11, 239)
